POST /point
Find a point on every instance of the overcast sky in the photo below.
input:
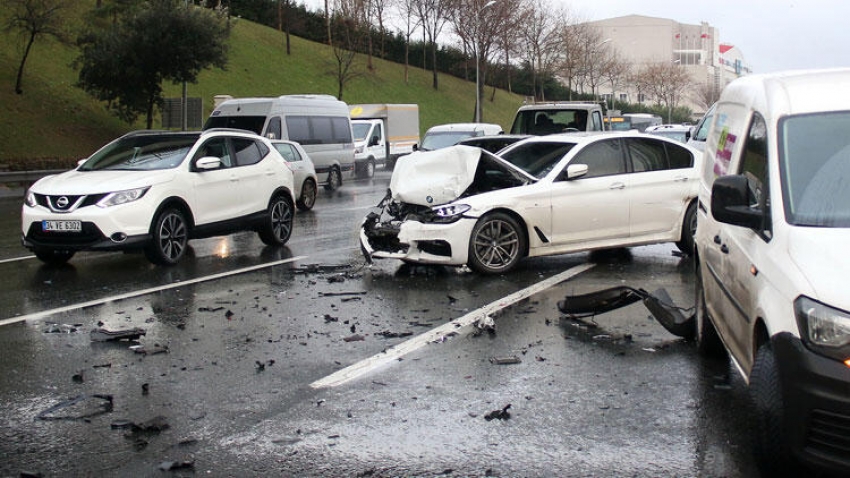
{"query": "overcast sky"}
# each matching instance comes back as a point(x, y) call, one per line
point(773, 35)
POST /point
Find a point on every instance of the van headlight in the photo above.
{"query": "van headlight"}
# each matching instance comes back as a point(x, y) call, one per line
point(824, 329)
point(122, 197)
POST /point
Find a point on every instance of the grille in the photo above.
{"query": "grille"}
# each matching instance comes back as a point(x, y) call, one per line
point(829, 434)
point(71, 202)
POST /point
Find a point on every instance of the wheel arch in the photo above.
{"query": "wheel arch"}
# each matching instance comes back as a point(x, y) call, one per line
point(283, 190)
point(178, 203)
point(519, 219)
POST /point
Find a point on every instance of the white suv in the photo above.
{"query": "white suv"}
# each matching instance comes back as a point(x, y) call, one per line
point(772, 236)
point(153, 191)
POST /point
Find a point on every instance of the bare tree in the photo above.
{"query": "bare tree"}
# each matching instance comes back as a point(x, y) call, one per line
point(615, 70)
point(706, 94)
point(433, 15)
point(407, 9)
point(573, 57)
point(593, 50)
point(33, 19)
point(540, 31)
point(479, 24)
point(347, 41)
point(283, 16)
point(379, 8)
point(664, 81)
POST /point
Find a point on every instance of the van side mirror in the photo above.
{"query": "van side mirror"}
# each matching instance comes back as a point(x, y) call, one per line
point(730, 203)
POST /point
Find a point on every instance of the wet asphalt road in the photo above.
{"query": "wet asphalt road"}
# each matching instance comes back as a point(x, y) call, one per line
point(613, 396)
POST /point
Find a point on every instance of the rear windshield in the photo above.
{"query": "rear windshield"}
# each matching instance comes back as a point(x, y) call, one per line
point(814, 152)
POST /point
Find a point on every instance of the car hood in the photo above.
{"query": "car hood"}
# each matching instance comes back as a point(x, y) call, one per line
point(93, 182)
point(437, 177)
point(821, 256)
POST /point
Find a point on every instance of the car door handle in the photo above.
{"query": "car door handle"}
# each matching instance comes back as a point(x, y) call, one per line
point(617, 186)
point(680, 179)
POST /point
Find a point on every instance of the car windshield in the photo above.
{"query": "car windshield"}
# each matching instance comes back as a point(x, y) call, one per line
point(141, 153)
point(814, 153)
point(360, 130)
point(537, 158)
point(444, 139)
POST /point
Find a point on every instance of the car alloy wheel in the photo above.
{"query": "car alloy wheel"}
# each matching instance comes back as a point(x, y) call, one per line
point(496, 245)
point(277, 227)
point(170, 238)
point(308, 196)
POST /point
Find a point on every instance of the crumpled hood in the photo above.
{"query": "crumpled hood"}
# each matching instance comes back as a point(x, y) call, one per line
point(821, 256)
point(93, 182)
point(431, 178)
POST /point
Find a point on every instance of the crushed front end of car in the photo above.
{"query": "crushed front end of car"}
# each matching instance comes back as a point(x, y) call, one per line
point(424, 218)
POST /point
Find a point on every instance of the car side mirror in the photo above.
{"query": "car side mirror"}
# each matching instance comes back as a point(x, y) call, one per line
point(208, 162)
point(573, 171)
point(730, 203)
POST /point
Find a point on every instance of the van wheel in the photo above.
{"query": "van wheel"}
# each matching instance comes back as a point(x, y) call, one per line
point(496, 244)
point(277, 226)
point(367, 169)
point(689, 230)
point(170, 235)
point(334, 179)
point(307, 199)
point(53, 257)
point(771, 452)
point(705, 335)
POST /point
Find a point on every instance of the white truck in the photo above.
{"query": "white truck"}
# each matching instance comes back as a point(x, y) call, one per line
point(382, 133)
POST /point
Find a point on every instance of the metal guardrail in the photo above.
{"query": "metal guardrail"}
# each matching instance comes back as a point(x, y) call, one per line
point(17, 182)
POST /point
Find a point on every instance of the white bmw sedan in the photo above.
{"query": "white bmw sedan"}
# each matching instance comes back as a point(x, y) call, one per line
point(544, 195)
point(154, 191)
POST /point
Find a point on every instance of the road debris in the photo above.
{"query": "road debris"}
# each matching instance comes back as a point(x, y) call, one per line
point(176, 465)
point(502, 414)
point(101, 334)
point(505, 360)
point(54, 328)
point(354, 338)
point(81, 407)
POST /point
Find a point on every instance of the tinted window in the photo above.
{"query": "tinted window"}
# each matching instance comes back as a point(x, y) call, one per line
point(603, 158)
point(298, 128)
point(341, 130)
point(217, 148)
point(647, 155)
point(247, 152)
point(248, 123)
point(679, 157)
point(319, 129)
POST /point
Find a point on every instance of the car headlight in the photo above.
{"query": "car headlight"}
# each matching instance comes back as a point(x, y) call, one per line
point(122, 197)
point(449, 212)
point(824, 329)
point(30, 200)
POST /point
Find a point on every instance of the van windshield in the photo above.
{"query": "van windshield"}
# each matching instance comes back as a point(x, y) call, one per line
point(360, 130)
point(247, 123)
point(814, 152)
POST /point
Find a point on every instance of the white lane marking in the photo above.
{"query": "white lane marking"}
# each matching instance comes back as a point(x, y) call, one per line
point(394, 353)
point(136, 293)
point(15, 259)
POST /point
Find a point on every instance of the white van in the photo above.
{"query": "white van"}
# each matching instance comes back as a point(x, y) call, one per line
point(772, 260)
point(320, 123)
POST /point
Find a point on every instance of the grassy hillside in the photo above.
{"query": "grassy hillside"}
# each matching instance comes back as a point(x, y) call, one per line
point(53, 120)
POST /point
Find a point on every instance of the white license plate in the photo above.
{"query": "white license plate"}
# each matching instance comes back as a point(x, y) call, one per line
point(61, 226)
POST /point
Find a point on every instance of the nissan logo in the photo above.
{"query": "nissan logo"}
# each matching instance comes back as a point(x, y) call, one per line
point(62, 202)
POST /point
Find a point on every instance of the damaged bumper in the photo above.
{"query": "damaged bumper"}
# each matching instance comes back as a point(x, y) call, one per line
point(416, 241)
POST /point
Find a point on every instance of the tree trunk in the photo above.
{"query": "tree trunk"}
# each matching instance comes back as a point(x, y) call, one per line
point(20, 78)
point(436, 82)
point(151, 102)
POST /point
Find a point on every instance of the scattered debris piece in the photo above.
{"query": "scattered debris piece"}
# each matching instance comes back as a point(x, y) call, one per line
point(229, 314)
point(102, 365)
point(505, 360)
point(54, 328)
point(78, 377)
point(329, 318)
point(105, 335)
point(176, 465)
point(80, 407)
point(210, 309)
point(354, 338)
point(393, 335)
point(341, 294)
point(336, 278)
point(154, 425)
point(152, 350)
point(145, 389)
point(351, 299)
point(502, 414)
point(121, 424)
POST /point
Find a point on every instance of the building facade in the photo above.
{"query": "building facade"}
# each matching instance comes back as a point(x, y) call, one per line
point(641, 40)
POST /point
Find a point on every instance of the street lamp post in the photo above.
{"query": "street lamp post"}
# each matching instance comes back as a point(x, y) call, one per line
point(478, 61)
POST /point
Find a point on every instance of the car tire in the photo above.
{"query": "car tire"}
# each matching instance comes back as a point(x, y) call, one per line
point(169, 237)
point(705, 335)
point(496, 245)
point(277, 226)
point(307, 199)
point(689, 230)
point(334, 179)
point(53, 257)
point(770, 448)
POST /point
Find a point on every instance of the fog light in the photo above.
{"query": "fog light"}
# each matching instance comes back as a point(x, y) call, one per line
point(119, 237)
